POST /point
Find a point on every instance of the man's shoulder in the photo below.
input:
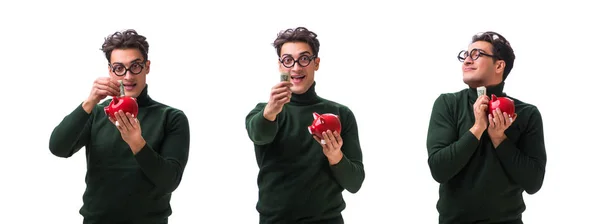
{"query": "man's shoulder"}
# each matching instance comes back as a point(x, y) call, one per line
point(169, 110)
point(343, 108)
point(450, 97)
point(524, 107)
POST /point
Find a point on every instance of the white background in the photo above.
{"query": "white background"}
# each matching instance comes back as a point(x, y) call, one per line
point(215, 62)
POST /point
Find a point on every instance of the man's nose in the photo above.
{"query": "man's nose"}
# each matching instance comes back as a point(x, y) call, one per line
point(468, 60)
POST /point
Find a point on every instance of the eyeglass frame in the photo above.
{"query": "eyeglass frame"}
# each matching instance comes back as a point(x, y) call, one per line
point(310, 59)
point(142, 64)
point(493, 37)
point(470, 54)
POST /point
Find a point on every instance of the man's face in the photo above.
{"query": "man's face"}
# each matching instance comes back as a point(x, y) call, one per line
point(481, 71)
point(131, 59)
point(302, 71)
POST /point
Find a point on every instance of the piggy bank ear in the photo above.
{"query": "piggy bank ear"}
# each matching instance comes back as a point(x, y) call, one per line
point(494, 98)
point(315, 115)
point(322, 120)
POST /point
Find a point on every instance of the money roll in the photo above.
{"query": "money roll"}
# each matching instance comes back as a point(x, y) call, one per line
point(285, 77)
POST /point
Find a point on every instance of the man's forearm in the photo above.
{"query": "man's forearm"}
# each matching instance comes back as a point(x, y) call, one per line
point(349, 174)
point(165, 173)
point(446, 162)
point(71, 134)
point(260, 129)
point(526, 170)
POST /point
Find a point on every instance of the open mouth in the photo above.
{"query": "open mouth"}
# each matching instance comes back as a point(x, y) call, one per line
point(297, 79)
point(129, 87)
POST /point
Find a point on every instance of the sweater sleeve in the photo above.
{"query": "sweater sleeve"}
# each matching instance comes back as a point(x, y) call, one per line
point(449, 151)
point(525, 162)
point(165, 167)
point(72, 133)
point(260, 130)
point(349, 172)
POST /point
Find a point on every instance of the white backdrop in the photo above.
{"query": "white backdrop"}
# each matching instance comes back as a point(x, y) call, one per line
point(215, 62)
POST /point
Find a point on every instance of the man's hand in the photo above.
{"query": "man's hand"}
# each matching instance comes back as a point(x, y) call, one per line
point(479, 110)
point(130, 129)
point(103, 87)
point(499, 122)
point(332, 146)
point(280, 95)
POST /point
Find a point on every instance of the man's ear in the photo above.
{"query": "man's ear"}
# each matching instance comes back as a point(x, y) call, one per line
point(500, 65)
point(317, 62)
point(147, 67)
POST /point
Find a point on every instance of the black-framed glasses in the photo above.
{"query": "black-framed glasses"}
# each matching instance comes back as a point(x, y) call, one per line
point(474, 54)
point(304, 60)
point(135, 68)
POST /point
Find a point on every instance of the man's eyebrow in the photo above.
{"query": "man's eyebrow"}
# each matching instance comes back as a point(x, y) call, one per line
point(301, 53)
point(134, 60)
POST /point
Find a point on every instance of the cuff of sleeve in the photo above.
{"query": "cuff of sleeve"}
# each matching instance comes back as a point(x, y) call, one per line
point(505, 150)
point(147, 159)
point(342, 165)
point(80, 114)
point(469, 141)
point(266, 125)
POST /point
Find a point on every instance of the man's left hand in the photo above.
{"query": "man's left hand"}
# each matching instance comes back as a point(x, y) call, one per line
point(130, 129)
point(499, 122)
point(332, 146)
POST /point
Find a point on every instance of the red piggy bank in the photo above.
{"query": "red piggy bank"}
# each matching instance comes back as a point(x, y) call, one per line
point(504, 103)
point(324, 122)
point(124, 103)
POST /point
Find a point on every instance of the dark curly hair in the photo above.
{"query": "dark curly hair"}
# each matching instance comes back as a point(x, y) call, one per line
point(500, 47)
point(299, 34)
point(128, 39)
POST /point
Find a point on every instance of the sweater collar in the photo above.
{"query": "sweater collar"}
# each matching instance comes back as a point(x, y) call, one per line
point(492, 89)
point(307, 98)
point(144, 99)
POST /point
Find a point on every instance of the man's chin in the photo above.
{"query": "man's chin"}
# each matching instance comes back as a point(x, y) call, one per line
point(298, 90)
point(133, 94)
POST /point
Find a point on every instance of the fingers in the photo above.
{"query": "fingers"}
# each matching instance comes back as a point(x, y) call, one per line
point(125, 121)
point(283, 85)
point(106, 86)
point(281, 96)
point(332, 140)
point(483, 99)
point(104, 90)
point(319, 140)
point(338, 138)
point(281, 90)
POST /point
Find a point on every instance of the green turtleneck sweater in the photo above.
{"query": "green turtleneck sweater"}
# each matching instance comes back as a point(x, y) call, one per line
point(122, 187)
point(295, 181)
point(480, 183)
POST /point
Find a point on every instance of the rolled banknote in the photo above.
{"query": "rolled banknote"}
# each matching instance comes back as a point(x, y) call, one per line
point(122, 87)
point(285, 77)
point(481, 91)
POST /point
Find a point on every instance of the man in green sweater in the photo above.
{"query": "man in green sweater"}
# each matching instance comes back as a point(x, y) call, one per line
point(483, 162)
point(301, 180)
point(133, 163)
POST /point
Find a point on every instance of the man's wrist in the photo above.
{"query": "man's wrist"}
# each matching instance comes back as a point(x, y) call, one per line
point(137, 145)
point(335, 159)
point(477, 131)
point(88, 105)
point(268, 116)
point(497, 140)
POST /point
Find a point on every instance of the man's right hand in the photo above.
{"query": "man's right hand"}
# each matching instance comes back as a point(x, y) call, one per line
point(480, 111)
point(103, 87)
point(280, 95)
